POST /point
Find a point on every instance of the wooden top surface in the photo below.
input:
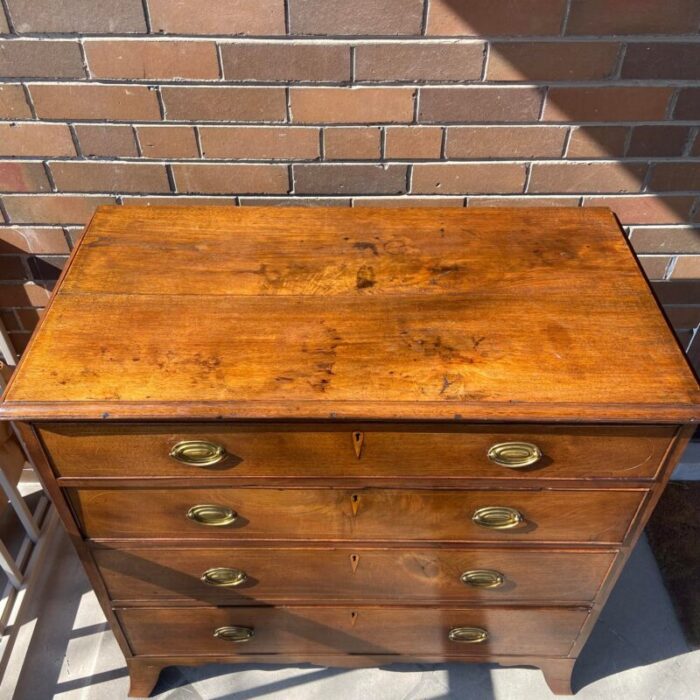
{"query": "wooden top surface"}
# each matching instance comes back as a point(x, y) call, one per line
point(445, 314)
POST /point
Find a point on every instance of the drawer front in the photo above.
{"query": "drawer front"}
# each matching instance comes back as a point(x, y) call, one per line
point(268, 451)
point(358, 630)
point(244, 576)
point(363, 514)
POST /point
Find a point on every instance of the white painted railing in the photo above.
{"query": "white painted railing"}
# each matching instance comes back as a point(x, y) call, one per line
point(23, 567)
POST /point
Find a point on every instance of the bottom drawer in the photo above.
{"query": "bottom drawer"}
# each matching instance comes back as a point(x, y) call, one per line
point(355, 630)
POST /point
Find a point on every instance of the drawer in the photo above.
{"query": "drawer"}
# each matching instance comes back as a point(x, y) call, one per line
point(356, 630)
point(245, 576)
point(331, 451)
point(363, 514)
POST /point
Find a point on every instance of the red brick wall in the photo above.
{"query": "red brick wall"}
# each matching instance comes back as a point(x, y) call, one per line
point(332, 102)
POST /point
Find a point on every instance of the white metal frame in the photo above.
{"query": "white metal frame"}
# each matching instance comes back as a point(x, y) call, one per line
point(23, 568)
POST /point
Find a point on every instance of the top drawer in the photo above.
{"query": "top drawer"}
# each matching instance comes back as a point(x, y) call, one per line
point(346, 451)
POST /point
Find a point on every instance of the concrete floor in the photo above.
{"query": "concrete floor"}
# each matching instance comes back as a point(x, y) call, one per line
point(636, 652)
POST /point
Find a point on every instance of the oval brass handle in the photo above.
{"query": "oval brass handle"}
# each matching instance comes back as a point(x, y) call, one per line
point(234, 634)
point(212, 515)
point(198, 453)
point(515, 455)
point(468, 635)
point(483, 578)
point(497, 517)
point(222, 576)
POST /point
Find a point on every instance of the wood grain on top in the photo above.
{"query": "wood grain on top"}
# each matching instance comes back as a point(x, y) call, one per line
point(515, 314)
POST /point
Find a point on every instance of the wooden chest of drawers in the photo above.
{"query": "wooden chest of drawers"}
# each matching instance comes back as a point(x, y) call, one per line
point(353, 437)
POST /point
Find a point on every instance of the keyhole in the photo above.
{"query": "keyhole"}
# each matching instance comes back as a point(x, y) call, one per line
point(354, 558)
point(358, 439)
point(355, 498)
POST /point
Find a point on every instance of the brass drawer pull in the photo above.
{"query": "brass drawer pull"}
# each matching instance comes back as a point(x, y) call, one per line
point(198, 453)
point(497, 517)
point(515, 455)
point(234, 634)
point(468, 635)
point(222, 576)
point(212, 515)
point(483, 578)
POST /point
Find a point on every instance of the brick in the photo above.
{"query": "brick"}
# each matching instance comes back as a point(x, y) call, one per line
point(260, 142)
point(658, 141)
point(670, 61)
point(685, 316)
point(82, 101)
point(91, 176)
point(152, 59)
point(106, 140)
point(597, 142)
point(688, 104)
point(246, 104)
point(679, 292)
point(46, 267)
point(586, 177)
point(29, 318)
point(552, 61)
point(295, 201)
point(666, 240)
point(32, 139)
point(408, 201)
point(695, 151)
point(27, 294)
point(684, 338)
point(20, 341)
point(178, 201)
point(77, 16)
point(529, 201)
point(351, 105)
point(352, 143)
point(42, 58)
point(4, 29)
point(655, 266)
point(11, 268)
point(9, 318)
point(342, 18)
point(285, 62)
point(75, 233)
point(606, 104)
point(467, 178)
point(412, 61)
point(231, 178)
point(470, 104)
point(504, 142)
point(488, 18)
point(646, 209)
point(349, 179)
point(17, 176)
point(167, 141)
point(675, 176)
point(13, 102)
point(230, 17)
point(413, 142)
point(633, 17)
point(52, 208)
point(16, 239)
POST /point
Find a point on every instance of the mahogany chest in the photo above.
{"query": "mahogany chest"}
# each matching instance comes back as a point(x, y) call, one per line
point(353, 437)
